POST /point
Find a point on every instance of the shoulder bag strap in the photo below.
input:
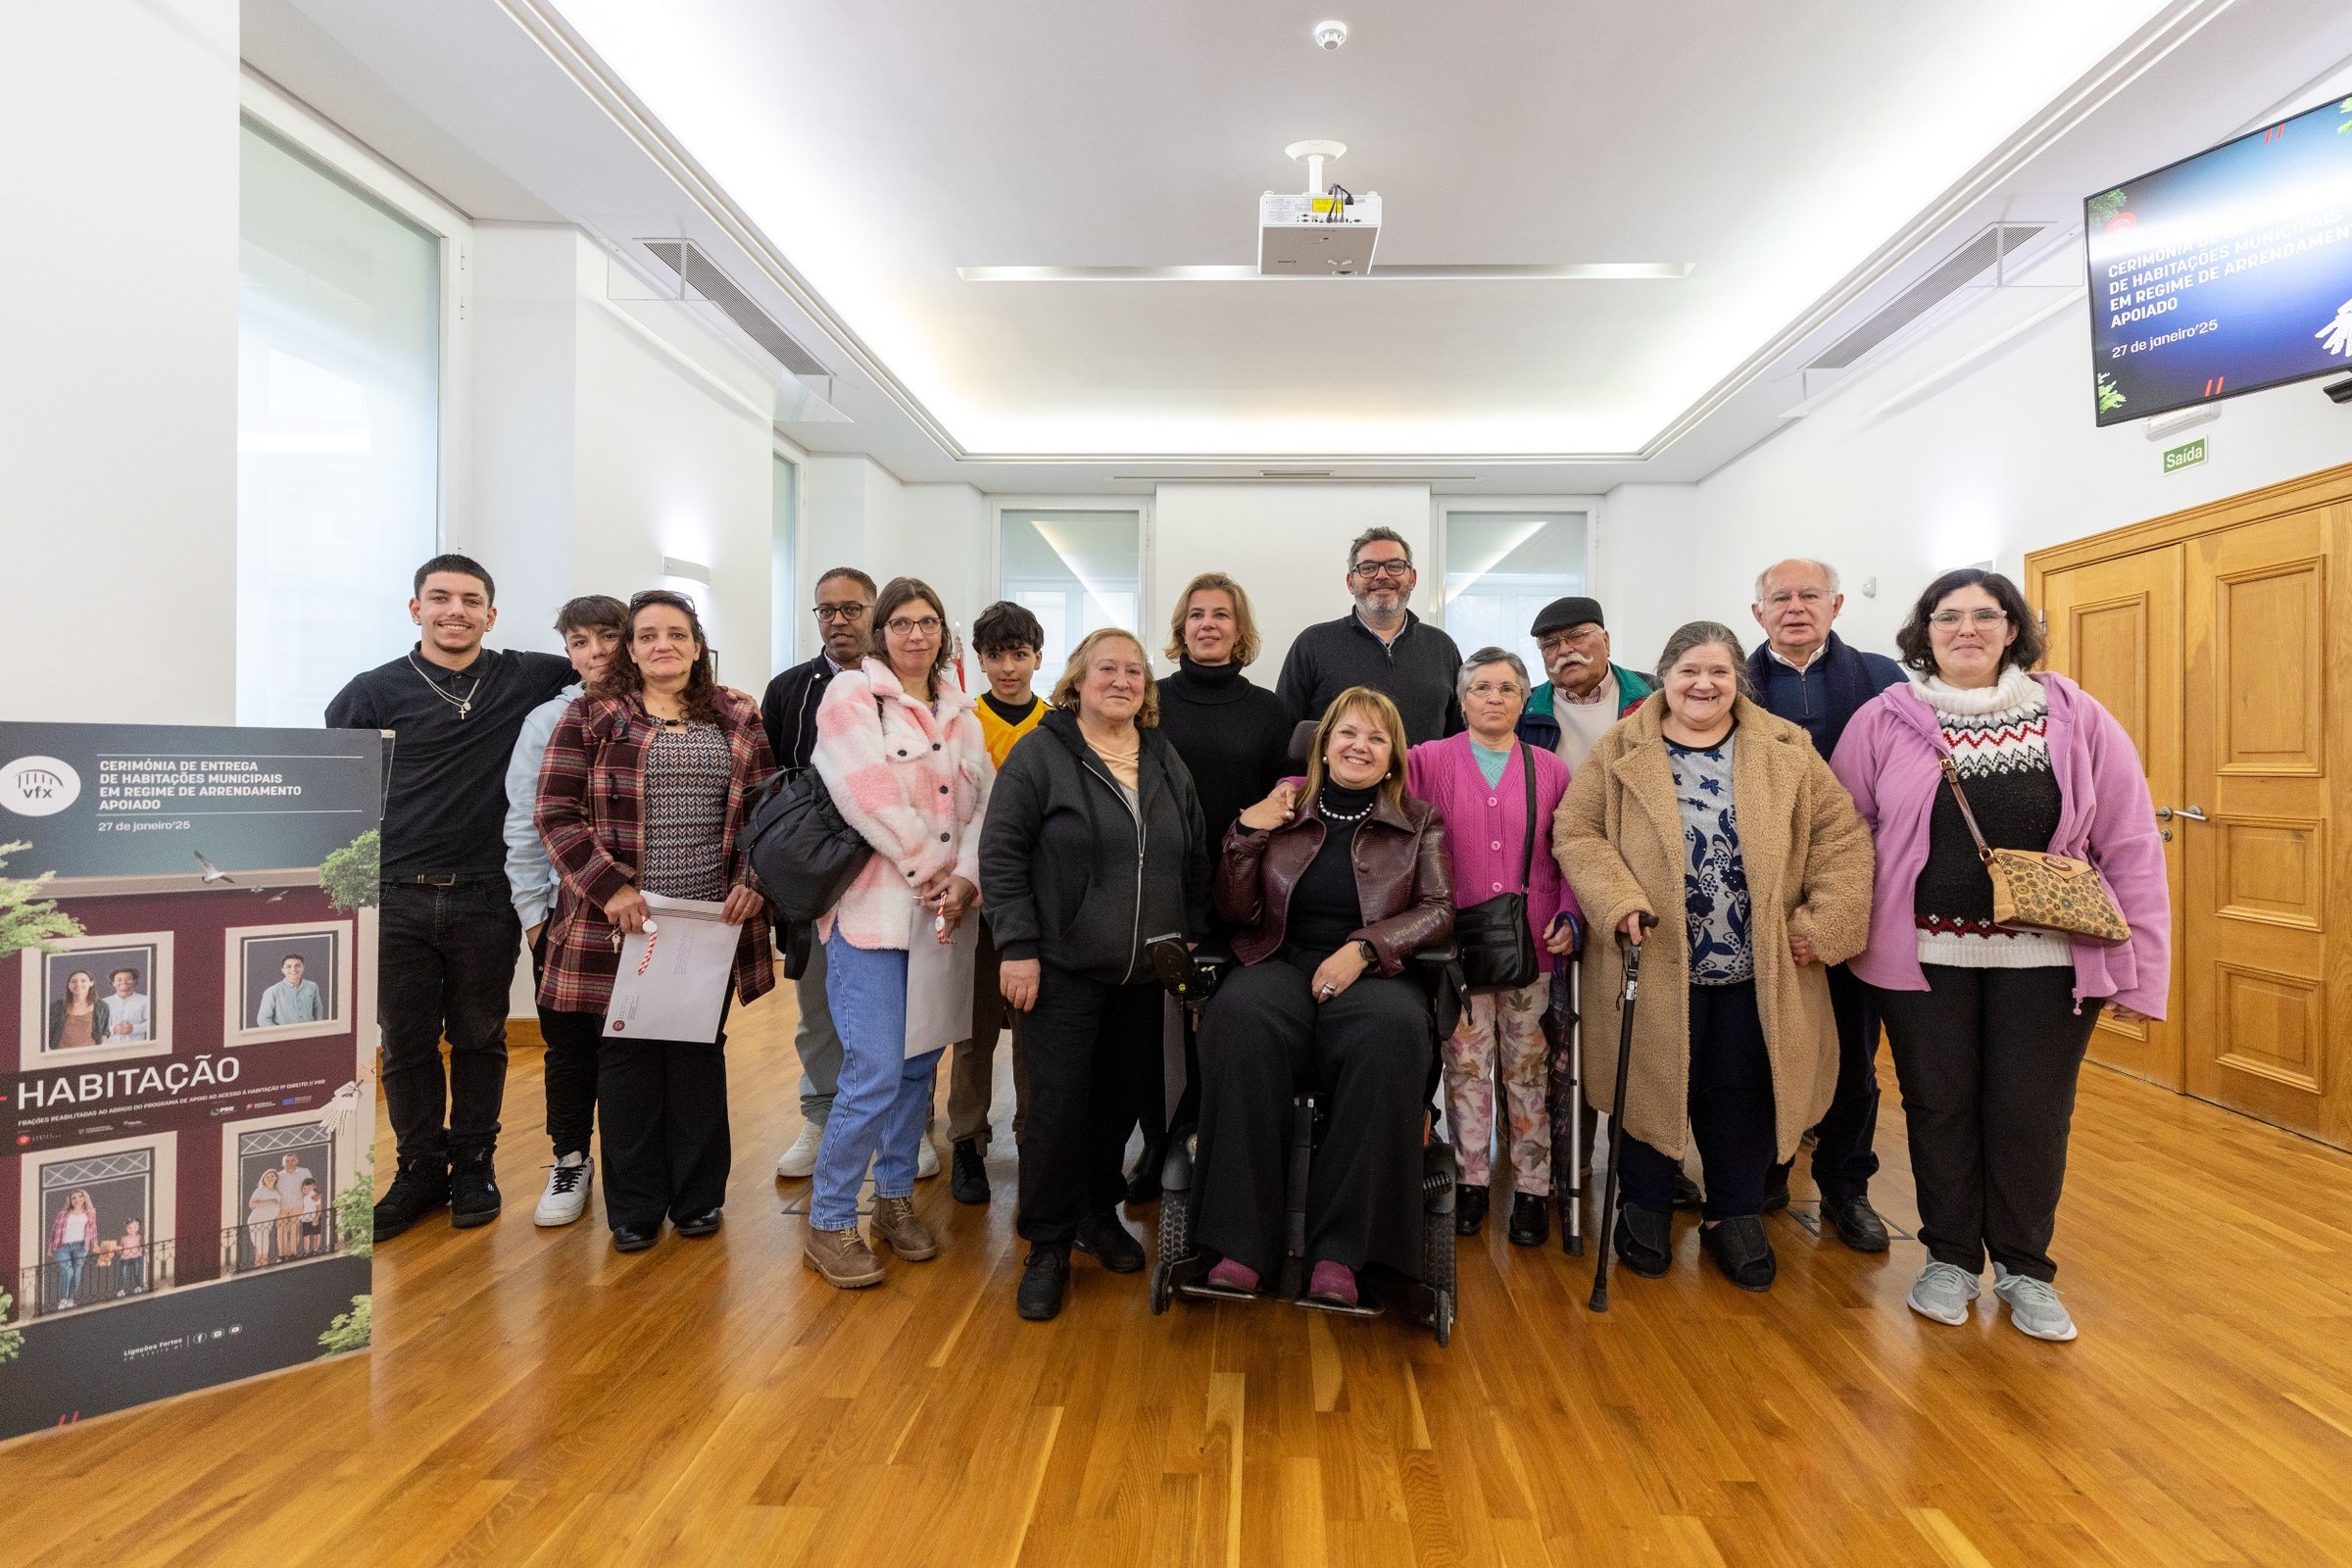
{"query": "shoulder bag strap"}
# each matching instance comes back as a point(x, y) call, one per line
point(1951, 777)
point(1527, 851)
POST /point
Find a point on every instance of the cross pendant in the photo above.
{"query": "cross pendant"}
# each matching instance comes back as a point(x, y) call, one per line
point(465, 708)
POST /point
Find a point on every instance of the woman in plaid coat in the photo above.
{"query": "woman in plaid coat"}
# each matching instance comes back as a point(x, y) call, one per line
point(645, 787)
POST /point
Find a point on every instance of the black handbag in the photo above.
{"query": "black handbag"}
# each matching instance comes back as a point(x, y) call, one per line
point(1496, 944)
point(801, 850)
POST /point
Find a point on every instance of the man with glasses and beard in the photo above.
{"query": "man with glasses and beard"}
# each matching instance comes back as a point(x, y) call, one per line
point(1585, 694)
point(1381, 644)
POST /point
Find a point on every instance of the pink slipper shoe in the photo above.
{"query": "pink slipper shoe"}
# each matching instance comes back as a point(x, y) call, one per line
point(1230, 1275)
point(1332, 1281)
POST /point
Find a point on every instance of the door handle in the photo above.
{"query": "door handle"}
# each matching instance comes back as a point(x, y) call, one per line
point(2186, 814)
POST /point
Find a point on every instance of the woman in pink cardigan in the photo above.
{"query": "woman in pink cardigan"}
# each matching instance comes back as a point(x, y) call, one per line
point(1478, 782)
point(900, 748)
point(1989, 1024)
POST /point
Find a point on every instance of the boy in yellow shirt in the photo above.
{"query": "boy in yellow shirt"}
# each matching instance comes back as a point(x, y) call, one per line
point(1009, 644)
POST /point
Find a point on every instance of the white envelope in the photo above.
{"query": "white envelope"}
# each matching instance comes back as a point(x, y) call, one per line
point(938, 982)
point(673, 982)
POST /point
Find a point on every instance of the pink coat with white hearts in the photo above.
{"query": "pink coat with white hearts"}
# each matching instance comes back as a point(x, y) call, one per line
point(912, 781)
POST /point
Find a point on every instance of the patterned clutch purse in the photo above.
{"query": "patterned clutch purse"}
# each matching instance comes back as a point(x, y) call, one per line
point(2042, 892)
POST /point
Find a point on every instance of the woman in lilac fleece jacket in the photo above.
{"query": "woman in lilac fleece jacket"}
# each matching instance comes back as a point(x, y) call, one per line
point(1988, 1026)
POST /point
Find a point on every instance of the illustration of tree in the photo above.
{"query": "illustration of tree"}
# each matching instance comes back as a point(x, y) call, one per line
point(355, 1213)
point(351, 873)
point(2110, 396)
point(27, 920)
point(12, 1342)
point(349, 1331)
point(2103, 207)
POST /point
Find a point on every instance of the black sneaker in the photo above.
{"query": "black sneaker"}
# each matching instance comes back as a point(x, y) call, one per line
point(418, 1187)
point(1531, 1219)
point(1857, 1224)
point(1741, 1249)
point(1644, 1239)
point(1112, 1244)
point(473, 1197)
point(967, 1176)
point(1469, 1209)
point(1043, 1277)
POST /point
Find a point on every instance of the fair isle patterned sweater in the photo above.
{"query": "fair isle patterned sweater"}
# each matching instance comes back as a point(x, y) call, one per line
point(1999, 738)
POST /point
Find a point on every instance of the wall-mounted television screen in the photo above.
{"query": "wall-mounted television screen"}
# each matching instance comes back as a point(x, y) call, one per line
point(2225, 272)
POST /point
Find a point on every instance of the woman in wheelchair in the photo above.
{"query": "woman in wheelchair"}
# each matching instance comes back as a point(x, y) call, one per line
point(1331, 886)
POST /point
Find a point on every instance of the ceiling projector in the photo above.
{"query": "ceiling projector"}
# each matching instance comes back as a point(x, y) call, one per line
point(1327, 232)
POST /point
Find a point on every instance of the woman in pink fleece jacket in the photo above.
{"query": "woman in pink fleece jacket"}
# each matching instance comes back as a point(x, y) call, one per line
point(1989, 1024)
point(899, 746)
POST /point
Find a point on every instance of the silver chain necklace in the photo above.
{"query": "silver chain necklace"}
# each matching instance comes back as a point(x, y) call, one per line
point(463, 705)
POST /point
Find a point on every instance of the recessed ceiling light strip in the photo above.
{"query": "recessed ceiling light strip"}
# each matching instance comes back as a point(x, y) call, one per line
point(1472, 272)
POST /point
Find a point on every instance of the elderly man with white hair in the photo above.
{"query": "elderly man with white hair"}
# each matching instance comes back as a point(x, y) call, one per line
point(1809, 675)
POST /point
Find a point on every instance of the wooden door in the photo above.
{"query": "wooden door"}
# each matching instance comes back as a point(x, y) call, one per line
point(2116, 626)
point(2260, 936)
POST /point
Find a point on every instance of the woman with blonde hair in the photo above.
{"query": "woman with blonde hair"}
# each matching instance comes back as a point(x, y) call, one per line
point(1332, 885)
point(1091, 850)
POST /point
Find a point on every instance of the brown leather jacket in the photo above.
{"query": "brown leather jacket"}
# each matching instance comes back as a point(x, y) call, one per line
point(1402, 883)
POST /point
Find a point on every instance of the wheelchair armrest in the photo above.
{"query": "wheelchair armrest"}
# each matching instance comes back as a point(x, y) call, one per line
point(1436, 957)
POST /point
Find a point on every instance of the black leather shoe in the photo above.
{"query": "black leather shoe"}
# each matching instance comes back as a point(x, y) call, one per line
point(634, 1238)
point(1857, 1224)
point(1531, 1219)
point(1776, 1191)
point(1110, 1243)
point(1686, 1194)
point(1043, 1277)
point(1644, 1239)
point(1741, 1248)
point(967, 1172)
point(1469, 1209)
point(420, 1187)
point(703, 1224)
point(474, 1195)
point(1143, 1181)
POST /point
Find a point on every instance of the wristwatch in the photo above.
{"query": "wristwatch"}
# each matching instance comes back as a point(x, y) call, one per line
point(1371, 952)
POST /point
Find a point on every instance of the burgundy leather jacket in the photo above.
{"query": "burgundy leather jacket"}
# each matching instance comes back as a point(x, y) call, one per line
point(1402, 883)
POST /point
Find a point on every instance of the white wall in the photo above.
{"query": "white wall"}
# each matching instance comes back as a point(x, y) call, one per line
point(524, 426)
point(1999, 458)
point(855, 512)
point(119, 376)
point(1286, 544)
point(1644, 567)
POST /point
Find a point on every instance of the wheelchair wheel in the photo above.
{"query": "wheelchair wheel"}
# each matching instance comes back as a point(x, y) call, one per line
point(1439, 1172)
point(1175, 1245)
point(1442, 1323)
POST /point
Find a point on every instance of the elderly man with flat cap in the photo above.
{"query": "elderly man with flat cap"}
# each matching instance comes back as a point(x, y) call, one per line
point(1585, 694)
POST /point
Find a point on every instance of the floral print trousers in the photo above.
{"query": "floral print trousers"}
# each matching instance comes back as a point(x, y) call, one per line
point(1505, 1027)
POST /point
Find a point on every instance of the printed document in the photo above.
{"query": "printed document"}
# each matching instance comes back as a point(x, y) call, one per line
point(673, 977)
point(939, 981)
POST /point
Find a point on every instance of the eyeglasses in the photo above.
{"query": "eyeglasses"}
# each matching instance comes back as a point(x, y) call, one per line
point(901, 626)
point(1489, 688)
point(851, 612)
point(1398, 569)
point(1946, 620)
point(1804, 596)
point(1553, 640)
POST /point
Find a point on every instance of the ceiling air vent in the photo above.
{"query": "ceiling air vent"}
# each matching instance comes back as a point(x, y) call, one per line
point(702, 277)
point(1957, 272)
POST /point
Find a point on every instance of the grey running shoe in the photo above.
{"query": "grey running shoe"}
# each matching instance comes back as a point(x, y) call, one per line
point(1943, 1292)
point(2034, 1310)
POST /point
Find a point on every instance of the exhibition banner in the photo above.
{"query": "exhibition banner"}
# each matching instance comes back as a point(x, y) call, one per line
point(187, 924)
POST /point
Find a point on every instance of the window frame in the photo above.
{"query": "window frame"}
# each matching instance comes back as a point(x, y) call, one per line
point(1140, 504)
point(1445, 507)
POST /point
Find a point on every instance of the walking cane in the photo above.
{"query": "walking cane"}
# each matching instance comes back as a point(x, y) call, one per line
point(1625, 1053)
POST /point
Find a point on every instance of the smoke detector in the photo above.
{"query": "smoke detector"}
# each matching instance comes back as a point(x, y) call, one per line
point(1330, 34)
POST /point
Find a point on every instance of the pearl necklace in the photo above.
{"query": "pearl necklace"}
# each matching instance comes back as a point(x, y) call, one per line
point(1324, 810)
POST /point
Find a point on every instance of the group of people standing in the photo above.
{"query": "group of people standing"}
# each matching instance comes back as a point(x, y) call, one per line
point(1786, 813)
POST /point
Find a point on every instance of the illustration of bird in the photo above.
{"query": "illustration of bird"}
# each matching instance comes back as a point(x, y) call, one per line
point(278, 897)
point(212, 874)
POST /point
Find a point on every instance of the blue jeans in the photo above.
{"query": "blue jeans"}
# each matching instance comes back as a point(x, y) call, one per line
point(69, 1269)
point(884, 1099)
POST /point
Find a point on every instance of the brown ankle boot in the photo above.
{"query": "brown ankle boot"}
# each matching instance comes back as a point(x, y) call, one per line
point(842, 1257)
point(896, 1226)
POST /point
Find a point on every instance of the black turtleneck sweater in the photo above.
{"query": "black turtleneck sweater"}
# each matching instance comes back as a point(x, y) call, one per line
point(1234, 739)
point(1325, 908)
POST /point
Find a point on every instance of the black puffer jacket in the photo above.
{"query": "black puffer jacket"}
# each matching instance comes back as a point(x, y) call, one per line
point(1061, 875)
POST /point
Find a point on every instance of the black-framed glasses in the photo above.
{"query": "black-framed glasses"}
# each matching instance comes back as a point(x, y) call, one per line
point(833, 612)
point(1398, 569)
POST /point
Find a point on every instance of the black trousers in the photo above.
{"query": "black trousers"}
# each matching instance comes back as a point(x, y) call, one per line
point(445, 962)
point(1091, 1044)
point(1367, 1052)
point(567, 1064)
point(664, 1105)
point(1989, 1060)
point(1844, 1158)
point(1732, 1113)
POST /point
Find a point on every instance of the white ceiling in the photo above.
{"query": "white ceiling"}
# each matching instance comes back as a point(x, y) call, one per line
point(843, 160)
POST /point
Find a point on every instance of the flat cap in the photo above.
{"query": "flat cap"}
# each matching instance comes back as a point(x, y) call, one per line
point(1561, 614)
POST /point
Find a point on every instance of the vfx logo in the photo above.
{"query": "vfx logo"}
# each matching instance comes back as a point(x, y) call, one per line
point(39, 786)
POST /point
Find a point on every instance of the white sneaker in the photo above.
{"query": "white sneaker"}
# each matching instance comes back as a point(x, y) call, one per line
point(1944, 1293)
point(927, 1159)
point(800, 1159)
point(567, 1197)
point(2034, 1310)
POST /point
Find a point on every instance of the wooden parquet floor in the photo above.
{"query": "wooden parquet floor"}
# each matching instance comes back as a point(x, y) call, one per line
point(534, 1399)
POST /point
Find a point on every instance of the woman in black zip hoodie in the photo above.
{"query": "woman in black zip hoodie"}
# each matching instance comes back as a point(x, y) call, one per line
point(1092, 847)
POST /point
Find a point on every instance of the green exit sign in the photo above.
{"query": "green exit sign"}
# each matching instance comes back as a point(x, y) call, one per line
point(2187, 454)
